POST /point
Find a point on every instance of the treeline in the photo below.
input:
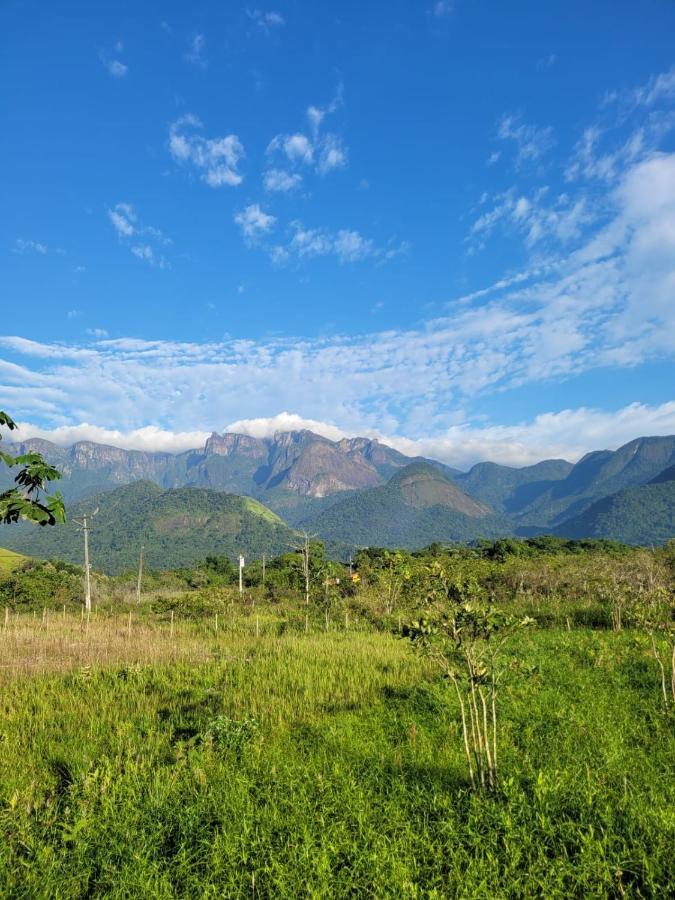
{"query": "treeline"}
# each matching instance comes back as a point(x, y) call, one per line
point(555, 579)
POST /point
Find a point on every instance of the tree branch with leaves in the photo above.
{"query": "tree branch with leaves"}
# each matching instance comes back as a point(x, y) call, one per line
point(30, 499)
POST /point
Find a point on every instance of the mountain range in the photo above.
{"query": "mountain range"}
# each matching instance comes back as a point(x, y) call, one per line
point(359, 491)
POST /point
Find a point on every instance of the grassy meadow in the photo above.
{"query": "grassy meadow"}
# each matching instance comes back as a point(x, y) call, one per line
point(9, 560)
point(276, 752)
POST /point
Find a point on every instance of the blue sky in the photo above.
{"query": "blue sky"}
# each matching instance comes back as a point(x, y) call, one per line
point(451, 224)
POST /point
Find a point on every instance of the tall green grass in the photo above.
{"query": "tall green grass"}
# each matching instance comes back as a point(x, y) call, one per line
point(330, 765)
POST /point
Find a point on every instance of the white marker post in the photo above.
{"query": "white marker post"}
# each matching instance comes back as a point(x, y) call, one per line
point(241, 575)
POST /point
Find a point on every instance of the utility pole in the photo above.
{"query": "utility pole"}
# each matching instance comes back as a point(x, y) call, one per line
point(84, 525)
point(241, 575)
point(140, 577)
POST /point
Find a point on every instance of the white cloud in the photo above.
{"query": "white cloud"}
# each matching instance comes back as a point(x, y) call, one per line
point(267, 21)
point(254, 221)
point(567, 434)
point(115, 67)
point(332, 154)
point(532, 142)
point(98, 333)
point(125, 222)
point(325, 152)
point(123, 219)
point(589, 162)
point(657, 89)
point(285, 421)
point(196, 51)
point(143, 251)
point(21, 246)
point(280, 180)
point(537, 218)
point(296, 147)
point(347, 245)
point(442, 9)
point(350, 246)
point(638, 121)
point(216, 159)
point(150, 438)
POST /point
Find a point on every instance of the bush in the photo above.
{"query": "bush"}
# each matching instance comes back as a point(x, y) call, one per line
point(37, 584)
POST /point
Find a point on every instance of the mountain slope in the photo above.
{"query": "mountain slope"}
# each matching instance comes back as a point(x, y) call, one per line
point(417, 506)
point(642, 514)
point(598, 474)
point(177, 527)
point(507, 489)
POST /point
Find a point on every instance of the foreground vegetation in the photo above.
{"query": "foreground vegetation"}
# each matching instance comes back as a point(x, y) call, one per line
point(206, 744)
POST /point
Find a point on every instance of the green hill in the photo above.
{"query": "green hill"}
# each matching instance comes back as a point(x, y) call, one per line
point(177, 527)
point(416, 507)
point(644, 514)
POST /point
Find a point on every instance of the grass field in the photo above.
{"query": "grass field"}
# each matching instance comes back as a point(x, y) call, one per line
point(9, 560)
point(149, 761)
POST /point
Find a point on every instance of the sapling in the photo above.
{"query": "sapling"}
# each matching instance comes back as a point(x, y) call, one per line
point(652, 611)
point(464, 634)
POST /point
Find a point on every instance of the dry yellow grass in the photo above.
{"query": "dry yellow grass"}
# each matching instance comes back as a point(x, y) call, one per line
point(59, 643)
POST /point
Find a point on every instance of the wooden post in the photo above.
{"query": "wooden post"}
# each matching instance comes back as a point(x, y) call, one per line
point(216, 623)
point(140, 577)
point(171, 623)
point(129, 625)
point(305, 566)
point(6, 617)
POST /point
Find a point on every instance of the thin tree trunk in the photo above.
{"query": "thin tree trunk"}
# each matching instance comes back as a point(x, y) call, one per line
point(657, 657)
point(464, 731)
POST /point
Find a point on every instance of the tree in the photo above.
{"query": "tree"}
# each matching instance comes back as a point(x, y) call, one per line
point(29, 499)
point(464, 633)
